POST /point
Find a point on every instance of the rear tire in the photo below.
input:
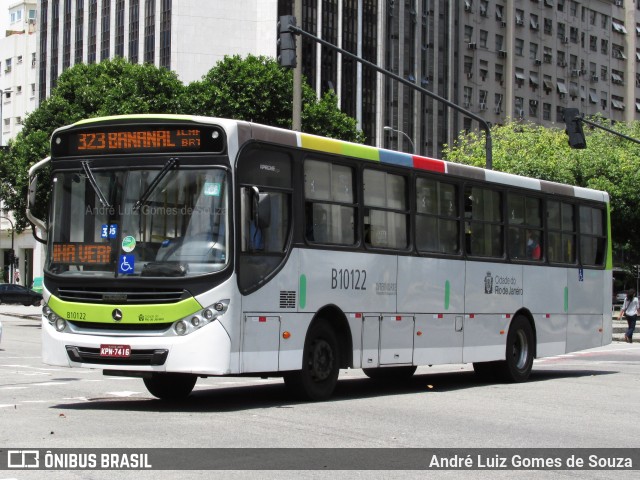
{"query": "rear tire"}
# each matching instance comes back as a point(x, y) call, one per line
point(519, 355)
point(390, 373)
point(170, 386)
point(320, 365)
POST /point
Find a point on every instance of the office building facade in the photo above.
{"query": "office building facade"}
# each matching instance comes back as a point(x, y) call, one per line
point(519, 59)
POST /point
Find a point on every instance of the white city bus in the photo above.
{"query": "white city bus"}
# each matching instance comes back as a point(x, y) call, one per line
point(183, 247)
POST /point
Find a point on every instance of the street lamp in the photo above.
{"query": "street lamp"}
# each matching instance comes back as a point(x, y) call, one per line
point(12, 256)
point(391, 129)
point(3, 91)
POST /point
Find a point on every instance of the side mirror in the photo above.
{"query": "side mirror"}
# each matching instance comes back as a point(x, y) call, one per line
point(31, 200)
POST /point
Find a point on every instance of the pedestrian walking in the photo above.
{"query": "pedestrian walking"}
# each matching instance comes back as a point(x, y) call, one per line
point(630, 311)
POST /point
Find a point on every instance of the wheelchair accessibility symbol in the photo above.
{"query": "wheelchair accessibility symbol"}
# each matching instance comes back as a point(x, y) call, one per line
point(126, 264)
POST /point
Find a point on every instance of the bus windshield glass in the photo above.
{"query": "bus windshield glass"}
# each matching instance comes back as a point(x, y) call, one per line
point(169, 222)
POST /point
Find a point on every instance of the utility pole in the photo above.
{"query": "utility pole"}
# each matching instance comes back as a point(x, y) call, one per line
point(483, 123)
point(297, 75)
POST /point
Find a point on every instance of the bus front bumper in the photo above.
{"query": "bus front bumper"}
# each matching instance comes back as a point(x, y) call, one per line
point(204, 352)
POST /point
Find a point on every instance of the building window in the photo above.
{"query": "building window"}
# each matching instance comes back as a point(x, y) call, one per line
point(165, 34)
point(105, 31)
point(134, 30)
point(119, 39)
point(66, 36)
point(77, 57)
point(93, 31)
point(149, 31)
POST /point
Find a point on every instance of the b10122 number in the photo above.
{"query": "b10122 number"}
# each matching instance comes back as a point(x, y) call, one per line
point(348, 279)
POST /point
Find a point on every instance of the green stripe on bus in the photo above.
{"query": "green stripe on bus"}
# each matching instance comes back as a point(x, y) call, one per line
point(609, 264)
point(447, 291)
point(362, 151)
point(302, 294)
point(131, 314)
point(566, 299)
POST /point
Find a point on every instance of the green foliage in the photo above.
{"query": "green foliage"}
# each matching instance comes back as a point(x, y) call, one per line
point(253, 89)
point(609, 163)
point(257, 89)
point(324, 118)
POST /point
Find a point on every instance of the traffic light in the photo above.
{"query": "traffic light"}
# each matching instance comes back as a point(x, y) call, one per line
point(286, 42)
point(573, 122)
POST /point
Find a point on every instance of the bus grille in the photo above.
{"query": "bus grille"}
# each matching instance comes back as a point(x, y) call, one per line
point(122, 297)
point(137, 357)
point(99, 327)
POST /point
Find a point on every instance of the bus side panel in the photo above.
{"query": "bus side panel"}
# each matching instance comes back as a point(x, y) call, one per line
point(433, 290)
point(354, 282)
point(544, 297)
point(493, 293)
point(268, 312)
point(585, 298)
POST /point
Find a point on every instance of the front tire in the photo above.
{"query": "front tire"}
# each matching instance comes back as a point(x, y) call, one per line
point(320, 365)
point(170, 386)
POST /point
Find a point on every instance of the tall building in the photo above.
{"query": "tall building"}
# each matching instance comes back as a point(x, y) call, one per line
point(519, 59)
point(186, 36)
point(17, 99)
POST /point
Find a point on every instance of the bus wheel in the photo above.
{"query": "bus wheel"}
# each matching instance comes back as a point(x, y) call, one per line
point(170, 386)
point(390, 373)
point(320, 365)
point(520, 347)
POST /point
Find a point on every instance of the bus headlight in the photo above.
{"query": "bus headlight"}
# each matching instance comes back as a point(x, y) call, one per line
point(55, 320)
point(181, 327)
point(60, 324)
point(199, 319)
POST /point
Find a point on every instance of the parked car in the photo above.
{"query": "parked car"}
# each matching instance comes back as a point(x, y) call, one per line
point(619, 298)
point(11, 293)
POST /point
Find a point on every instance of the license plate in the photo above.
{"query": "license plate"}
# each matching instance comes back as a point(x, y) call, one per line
point(115, 351)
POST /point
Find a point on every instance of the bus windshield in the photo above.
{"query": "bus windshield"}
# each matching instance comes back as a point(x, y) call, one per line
point(140, 222)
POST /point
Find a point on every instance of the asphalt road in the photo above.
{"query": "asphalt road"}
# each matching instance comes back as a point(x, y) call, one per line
point(582, 400)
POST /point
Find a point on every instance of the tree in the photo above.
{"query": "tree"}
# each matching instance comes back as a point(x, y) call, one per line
point(111, 87)
point(257, 89)
point(609, 163)
point(253, 89)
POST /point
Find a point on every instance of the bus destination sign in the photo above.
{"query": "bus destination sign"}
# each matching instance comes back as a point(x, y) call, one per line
point(136, 141)
point(139, 139)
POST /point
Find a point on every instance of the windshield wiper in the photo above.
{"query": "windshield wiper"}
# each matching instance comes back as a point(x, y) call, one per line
point(152, 186)
point(92, 181)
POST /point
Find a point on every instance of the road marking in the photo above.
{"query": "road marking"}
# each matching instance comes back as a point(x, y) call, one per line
point(48, 384)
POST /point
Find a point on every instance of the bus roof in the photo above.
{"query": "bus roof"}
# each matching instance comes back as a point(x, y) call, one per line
point(252, 131)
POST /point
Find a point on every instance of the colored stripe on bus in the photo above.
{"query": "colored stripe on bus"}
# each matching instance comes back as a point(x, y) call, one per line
point(396, 158)
point(431, 164)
